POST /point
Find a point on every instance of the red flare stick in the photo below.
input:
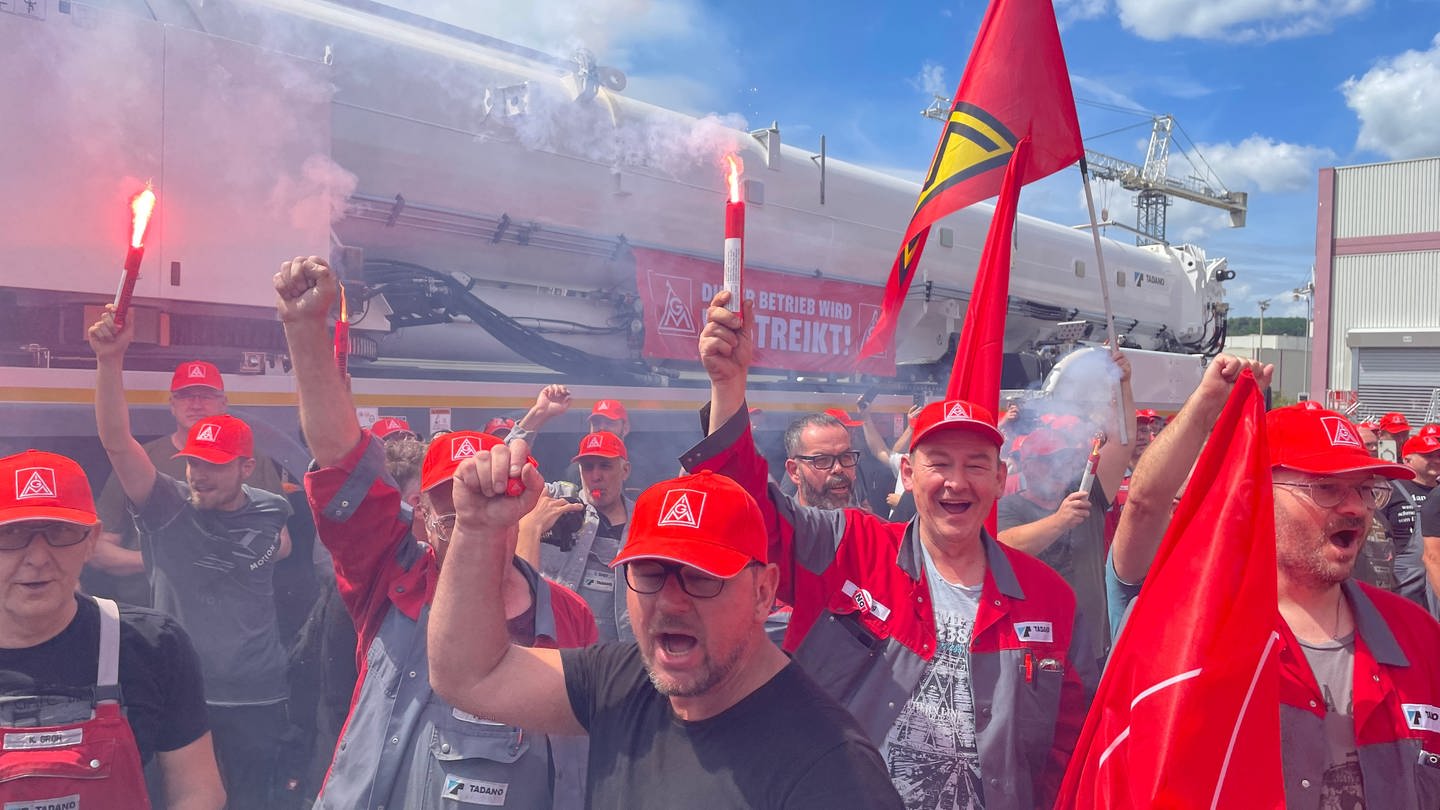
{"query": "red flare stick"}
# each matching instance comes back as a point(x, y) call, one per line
point(734, 233)
point(1092, 464)
point(142, 207)
point(342, 337)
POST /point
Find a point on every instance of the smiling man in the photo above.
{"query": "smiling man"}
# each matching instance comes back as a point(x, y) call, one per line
point(959, 656)
point(210, 544)
point(703, 711)
point(1359, 667)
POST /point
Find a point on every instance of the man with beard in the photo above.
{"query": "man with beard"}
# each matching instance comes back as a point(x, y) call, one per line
point(1359, 667)
point(960, 657)
point(115, 569)
point(1052, 519)
point(820, 461)
point(703, 711)
point(210, 545)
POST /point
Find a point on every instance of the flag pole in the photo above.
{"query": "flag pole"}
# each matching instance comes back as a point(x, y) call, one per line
point(1104, 284)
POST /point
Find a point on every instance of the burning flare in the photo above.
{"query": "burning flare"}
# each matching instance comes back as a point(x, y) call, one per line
point(732, 176)
point(142, 206)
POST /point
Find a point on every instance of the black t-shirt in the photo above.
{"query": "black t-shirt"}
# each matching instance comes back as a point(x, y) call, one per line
point(785, 745)
point(160, 684)
point(1430, 514)
point(1400, 515)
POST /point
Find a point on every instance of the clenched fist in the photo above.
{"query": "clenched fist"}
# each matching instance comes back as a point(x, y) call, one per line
point(306, 290)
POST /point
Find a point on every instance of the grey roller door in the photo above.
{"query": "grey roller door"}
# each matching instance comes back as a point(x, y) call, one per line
point(1397, 379)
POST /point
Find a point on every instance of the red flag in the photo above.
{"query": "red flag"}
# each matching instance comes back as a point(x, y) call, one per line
point(1188, 713)
point(1015, 86)
point(975, 376)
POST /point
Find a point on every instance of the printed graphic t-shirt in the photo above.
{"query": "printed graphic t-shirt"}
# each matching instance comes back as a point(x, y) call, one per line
point(1333, 663)
point(931, 750)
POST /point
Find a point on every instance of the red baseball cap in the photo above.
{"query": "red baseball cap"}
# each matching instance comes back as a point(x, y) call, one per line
point(446, 452)
point(610, 409)
point(1422, 445)
point(1146, 415)
point(196, 372)
point(601, 443)
point(1322, 442)
point(705, 521)
point(955, 414)
point(844, 418)
point(1059, 421)
point(1394, 422)
point(1373, 427)
point(1044, 442)
point(219, 440)
point(387, 426)
point(499, 426)
point(35, 485)
point(1431, 429)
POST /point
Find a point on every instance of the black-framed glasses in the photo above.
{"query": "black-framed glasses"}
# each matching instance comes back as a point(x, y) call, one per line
point(1329, 494)
point(58, 533)
point(208, 394)
point(441, 525)
point(826, 461)
point(648, 577)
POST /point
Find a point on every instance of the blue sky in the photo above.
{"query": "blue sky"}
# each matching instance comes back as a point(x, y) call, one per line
point(1268, 90)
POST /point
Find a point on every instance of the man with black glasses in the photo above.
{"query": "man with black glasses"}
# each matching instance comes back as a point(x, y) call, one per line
point(1359, 667)
point(703, 711)
point(821, 462)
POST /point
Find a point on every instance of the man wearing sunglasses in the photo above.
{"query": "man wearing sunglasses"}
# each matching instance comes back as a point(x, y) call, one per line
point(1359, 667)
point(404, 746)
point(84, 682)
point(961, 658)
point(702, 711)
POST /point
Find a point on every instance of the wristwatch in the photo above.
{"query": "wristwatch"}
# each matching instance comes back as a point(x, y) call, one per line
point(517, 433)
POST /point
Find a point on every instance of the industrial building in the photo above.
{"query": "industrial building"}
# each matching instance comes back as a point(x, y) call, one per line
point(1377, 288)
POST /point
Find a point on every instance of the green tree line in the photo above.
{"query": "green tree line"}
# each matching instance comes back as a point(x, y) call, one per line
point(1273, 326)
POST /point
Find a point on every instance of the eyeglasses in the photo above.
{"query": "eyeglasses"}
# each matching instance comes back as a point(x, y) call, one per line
point(826, 461)
point(1328, 494)
point(441, 526)
point(59, 534)
point(647, 576)
point(204, 393)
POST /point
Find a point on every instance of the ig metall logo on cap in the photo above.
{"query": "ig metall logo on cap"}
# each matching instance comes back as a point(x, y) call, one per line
point(682, 507)
point(462, 447)
point(34, 482)
point(1340, 433)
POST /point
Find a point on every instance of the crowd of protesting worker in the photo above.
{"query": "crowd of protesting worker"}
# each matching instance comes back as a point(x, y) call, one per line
point(436, 621)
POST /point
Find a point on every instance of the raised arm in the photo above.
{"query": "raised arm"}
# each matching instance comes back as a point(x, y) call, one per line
point(306, 291)
point(132, 467)
point(1167, 462)
point(473, 665)
point(552, 401)
point(726, 351)
point(873, 439)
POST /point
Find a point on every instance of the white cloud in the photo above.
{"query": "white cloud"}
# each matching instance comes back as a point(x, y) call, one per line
point(1231, 20)
point(1262, 164)
point(931, 80)
point(1398, 103)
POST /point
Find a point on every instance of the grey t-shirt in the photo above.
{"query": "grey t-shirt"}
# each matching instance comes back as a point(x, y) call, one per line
point(213, 571)
point(1078, 556)
point(1333, 663)
point(931, 750)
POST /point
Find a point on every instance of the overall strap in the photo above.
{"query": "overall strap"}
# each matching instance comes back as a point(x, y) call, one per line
point(107, 676)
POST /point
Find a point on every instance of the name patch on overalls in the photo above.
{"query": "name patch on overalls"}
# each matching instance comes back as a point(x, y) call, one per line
point(474, 791)
point(71, 802)
point(30, 741)
point(1421, 716)
point(1035, 631)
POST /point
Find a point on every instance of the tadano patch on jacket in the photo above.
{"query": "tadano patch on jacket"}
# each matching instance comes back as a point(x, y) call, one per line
point(1035, 631)
point(1422, 716)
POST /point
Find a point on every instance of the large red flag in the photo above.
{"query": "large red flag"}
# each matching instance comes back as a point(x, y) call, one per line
point(1188, 712)
point(980, 353)
point(1015, 85)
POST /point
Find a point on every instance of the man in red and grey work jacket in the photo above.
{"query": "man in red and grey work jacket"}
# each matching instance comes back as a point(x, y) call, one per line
point(961, 658)
point(403, 746)
point(1359, 666)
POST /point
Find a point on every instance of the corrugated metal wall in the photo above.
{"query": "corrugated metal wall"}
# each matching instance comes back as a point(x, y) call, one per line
point(1381, 291)
point(1394, 379)
point(1385, 199)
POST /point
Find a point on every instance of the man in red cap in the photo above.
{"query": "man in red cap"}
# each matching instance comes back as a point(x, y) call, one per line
point(403, 745)
point(1359, 667)
point(577, 552)
point(1396, 428)
point(210, 544)
point(1401, 516)
point(197, 391)
point(609, 415)
point(143, 697)
point(393, 428)
point(932, 633)
point(702, 711)
point(1053, 516)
